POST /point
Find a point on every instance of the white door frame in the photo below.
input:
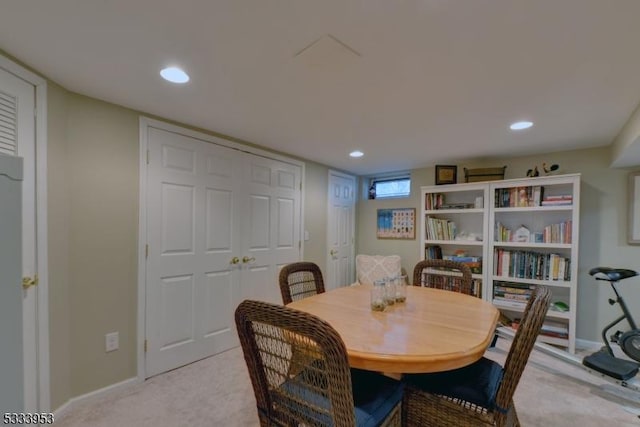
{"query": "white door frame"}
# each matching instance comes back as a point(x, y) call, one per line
point(40, 84)
point(145, 124)
point(353, 217)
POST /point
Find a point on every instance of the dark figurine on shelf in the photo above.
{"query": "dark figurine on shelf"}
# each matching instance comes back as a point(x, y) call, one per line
point(547, 170)
point(551, 168)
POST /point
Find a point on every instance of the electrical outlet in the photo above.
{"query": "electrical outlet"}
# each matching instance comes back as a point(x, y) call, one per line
point(111, 342)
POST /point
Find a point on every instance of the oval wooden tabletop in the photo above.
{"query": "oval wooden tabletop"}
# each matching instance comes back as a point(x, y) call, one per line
point(432, 331)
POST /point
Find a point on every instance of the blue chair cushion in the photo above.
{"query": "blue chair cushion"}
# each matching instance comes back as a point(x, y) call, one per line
point(477, 383)
point(374, 396)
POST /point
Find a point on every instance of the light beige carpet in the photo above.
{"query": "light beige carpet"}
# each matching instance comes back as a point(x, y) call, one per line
point(217, 392)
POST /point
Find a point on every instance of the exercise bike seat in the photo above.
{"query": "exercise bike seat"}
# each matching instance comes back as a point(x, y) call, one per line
point(611, 274)
point(604, 363)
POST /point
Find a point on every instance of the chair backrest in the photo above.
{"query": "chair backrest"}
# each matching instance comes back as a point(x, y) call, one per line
point(298, 366)
point(444, 274)
point(300, 280)
point(370, 268)
point(522, 344)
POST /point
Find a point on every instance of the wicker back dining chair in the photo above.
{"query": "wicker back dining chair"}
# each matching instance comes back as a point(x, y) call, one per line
point(318, 390)
point(444, 274)
point(300, 280)
point(481, 393)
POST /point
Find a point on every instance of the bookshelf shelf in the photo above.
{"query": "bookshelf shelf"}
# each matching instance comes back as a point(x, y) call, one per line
point(563, 342)
point(519, 308)
point(533, 245)
point(558, 283)
point(536, 209)
point(529, 229)
point(454, 211)
point(455, 242)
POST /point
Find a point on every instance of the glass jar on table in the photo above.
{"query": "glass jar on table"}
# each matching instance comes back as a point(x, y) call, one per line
point(378, 294)
point(401, 288)
point(390, 290)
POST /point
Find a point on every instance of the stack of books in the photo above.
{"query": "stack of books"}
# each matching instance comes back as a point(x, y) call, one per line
point(558, 200)
point(549, 329)
point(512, 292)
point(473, 262)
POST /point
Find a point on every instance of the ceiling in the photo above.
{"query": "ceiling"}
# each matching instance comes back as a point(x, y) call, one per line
point(410, 83)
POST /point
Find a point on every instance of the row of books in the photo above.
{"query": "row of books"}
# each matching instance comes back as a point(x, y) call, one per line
point(433, 252)
point(440, 229)
point(476, 284)
point(554, 233)
point(557, 233)
point(531, 265)
point(519, 197)
point(435, 201)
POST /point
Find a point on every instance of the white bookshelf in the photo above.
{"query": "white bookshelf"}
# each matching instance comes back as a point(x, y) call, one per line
point(471, 222)
point(509, 266)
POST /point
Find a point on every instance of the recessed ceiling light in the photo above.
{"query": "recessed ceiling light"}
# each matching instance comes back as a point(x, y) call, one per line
point(521, 125)
point(356, 153)
point(174, 75)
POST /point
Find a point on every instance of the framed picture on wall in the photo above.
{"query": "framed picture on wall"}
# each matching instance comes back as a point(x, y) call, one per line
point(396, 223)
point(446, 174)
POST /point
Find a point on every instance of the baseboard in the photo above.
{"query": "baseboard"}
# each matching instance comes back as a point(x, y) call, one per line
point(588, 345)
point(102, 392)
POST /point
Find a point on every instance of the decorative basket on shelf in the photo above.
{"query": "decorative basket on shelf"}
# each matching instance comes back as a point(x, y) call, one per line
point(484, 174)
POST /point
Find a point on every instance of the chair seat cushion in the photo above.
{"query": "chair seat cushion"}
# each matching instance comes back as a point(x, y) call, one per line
point(374, 397)
point(477, 383)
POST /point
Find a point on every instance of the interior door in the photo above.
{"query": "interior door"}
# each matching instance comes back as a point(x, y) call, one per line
point(271, 230)
point(11, 366)
point(193, 236)
point(340, 230)
point(17, 137)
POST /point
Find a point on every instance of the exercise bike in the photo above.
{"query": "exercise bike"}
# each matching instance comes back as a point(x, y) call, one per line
point(604, 360)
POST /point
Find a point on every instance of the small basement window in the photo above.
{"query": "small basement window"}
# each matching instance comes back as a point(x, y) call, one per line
point(390, 187)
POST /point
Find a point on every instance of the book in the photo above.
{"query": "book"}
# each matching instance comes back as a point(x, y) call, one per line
point(559, 197)
point(557, 327)
point(556, 203)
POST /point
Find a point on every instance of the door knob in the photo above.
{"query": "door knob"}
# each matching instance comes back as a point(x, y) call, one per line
point(246, 259)
point(333, 252)
point(234, 260)
point(27, 282)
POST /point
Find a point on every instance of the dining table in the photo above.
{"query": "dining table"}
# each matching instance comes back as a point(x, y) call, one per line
point(433, 330)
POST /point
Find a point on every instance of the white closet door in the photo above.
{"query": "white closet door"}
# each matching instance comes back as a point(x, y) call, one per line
point(193, 234)
point(206, 205)
point(271, 234)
